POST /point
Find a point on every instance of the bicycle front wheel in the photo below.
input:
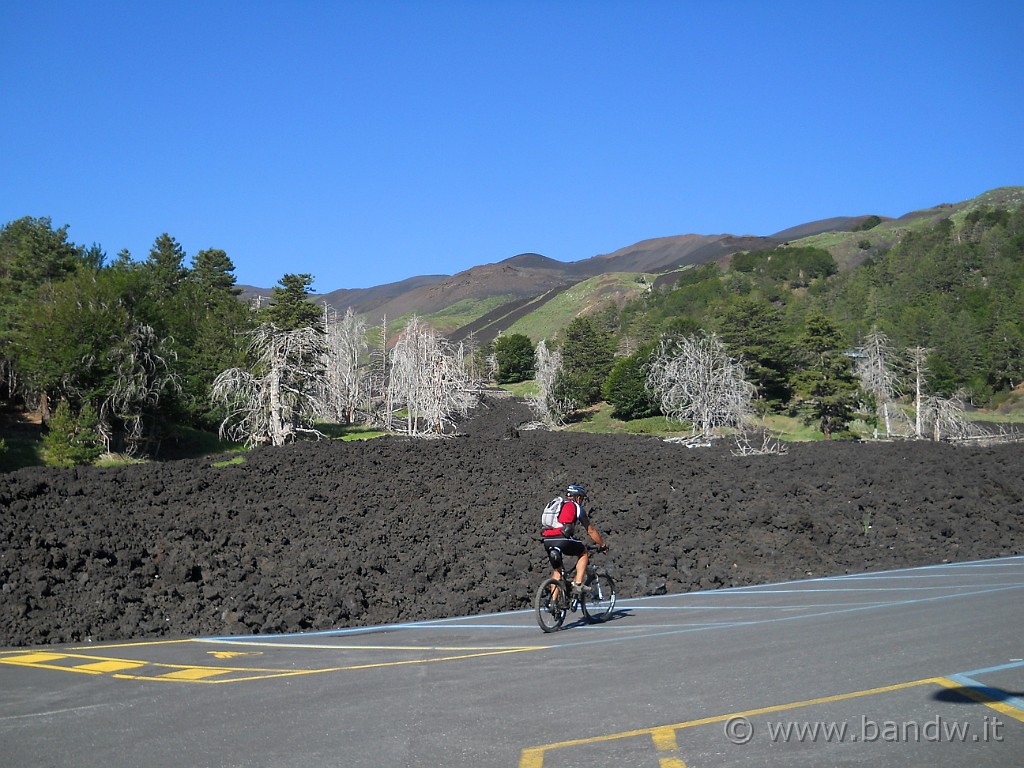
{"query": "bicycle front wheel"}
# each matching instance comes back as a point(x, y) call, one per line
point(598, 599)
point(551, 604)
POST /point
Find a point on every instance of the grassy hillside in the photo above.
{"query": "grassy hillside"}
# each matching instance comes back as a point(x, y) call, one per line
point(848, 248)
point(464, 312)
point(584, 298)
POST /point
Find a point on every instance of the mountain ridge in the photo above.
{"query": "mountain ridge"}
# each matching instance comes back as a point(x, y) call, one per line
point(531, 275)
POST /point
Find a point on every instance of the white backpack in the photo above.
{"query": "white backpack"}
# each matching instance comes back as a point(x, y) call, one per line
point(549, 517)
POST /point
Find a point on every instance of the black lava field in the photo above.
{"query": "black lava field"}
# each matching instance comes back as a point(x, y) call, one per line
point(320, 535)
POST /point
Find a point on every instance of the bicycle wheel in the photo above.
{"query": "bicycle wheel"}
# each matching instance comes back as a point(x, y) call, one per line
point(551, 605)
point(599, 599)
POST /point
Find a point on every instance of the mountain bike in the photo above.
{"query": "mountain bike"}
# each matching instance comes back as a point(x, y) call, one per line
point(555, 598)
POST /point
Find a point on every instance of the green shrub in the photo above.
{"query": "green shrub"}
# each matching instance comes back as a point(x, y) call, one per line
point(72, 440)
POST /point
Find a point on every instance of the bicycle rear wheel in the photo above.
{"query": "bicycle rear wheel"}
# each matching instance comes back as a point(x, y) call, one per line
point(551, 604)
point(599, 599)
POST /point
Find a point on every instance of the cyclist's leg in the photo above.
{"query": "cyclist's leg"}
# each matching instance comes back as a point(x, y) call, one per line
point(581, 568)
point(577, 549)
point(556, 557)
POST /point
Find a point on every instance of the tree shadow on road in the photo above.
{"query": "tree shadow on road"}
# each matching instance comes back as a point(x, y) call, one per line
point(976, 694)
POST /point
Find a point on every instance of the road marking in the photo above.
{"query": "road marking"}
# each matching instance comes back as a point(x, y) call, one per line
point(191, 674)
point(136, 669)
point(815, 614)
point(665, 739)
point(829, 590)
point(665, 742)
point(34, 658)
point(533, 757)
point(350, 647)
point(233, 654)
point(994, 698)
point(109, 666)
point(133, 644)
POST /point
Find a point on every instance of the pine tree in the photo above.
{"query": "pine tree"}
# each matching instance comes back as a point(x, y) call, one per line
point(71, 441)
point(587, 358)
point(166, 262)
point(290, 308)
point(514, 355)
point(826, 388)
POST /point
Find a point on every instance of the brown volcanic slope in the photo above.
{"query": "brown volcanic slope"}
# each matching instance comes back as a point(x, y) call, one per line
point(332, 534)
point(531, 275)
point(524, 275)
point(528, 275)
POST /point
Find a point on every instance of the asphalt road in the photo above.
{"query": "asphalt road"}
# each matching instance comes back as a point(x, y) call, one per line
point(921, 667)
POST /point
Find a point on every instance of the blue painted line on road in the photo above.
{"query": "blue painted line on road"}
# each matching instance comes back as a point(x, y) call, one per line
point(451, 622)
point(982, 563)
point(801, 617)
point(910, 576)
point(1011, 561)
point(993, 693)
point(804, 607)
point(484, 621)
point(998, 668)
point(813, 590)
point(994, 562)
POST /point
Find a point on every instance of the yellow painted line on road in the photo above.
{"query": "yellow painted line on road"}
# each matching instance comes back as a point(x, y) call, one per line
point(33, 658)
point(192, 674)
point(135, 669)
point(44, 661)
point(350, 647)
point(108, 666)
point(533, 757)
point(665, 742)
point(492, 652)
point(266, 674)
point(135, 644)
point(233, 654)
point(206, 679)
point(97, 665)
point(982, 698)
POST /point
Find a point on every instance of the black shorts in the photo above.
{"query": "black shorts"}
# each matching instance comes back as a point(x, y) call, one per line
point(571, 547)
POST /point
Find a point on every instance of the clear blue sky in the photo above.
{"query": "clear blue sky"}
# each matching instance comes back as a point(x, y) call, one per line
point(368, 142)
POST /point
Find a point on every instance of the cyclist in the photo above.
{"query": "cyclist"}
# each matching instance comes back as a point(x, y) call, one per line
point(572, 516)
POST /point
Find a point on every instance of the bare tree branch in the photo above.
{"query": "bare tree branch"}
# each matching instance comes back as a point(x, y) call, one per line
point(345, 347)
point(877, 374)
point(428, 379)
point(283, 393)
point(547, 364)
point(695, 380)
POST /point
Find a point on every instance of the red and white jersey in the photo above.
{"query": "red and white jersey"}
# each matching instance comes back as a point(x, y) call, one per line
point(571, 513)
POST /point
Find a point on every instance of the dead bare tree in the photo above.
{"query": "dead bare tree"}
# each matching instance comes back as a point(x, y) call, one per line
point(547, 364)
point(428, 379)
point(476, 368)
point(877, 374)
point(919, 370)
point(695, 380)
point(346, 346)
point(283, 393)
point(769, 446)
point(380, 371)
point(947, 419)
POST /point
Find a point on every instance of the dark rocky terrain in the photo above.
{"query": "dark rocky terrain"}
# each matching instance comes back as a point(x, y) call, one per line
point(330, 534)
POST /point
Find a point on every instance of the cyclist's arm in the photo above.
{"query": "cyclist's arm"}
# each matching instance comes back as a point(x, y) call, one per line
point(596, 536)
